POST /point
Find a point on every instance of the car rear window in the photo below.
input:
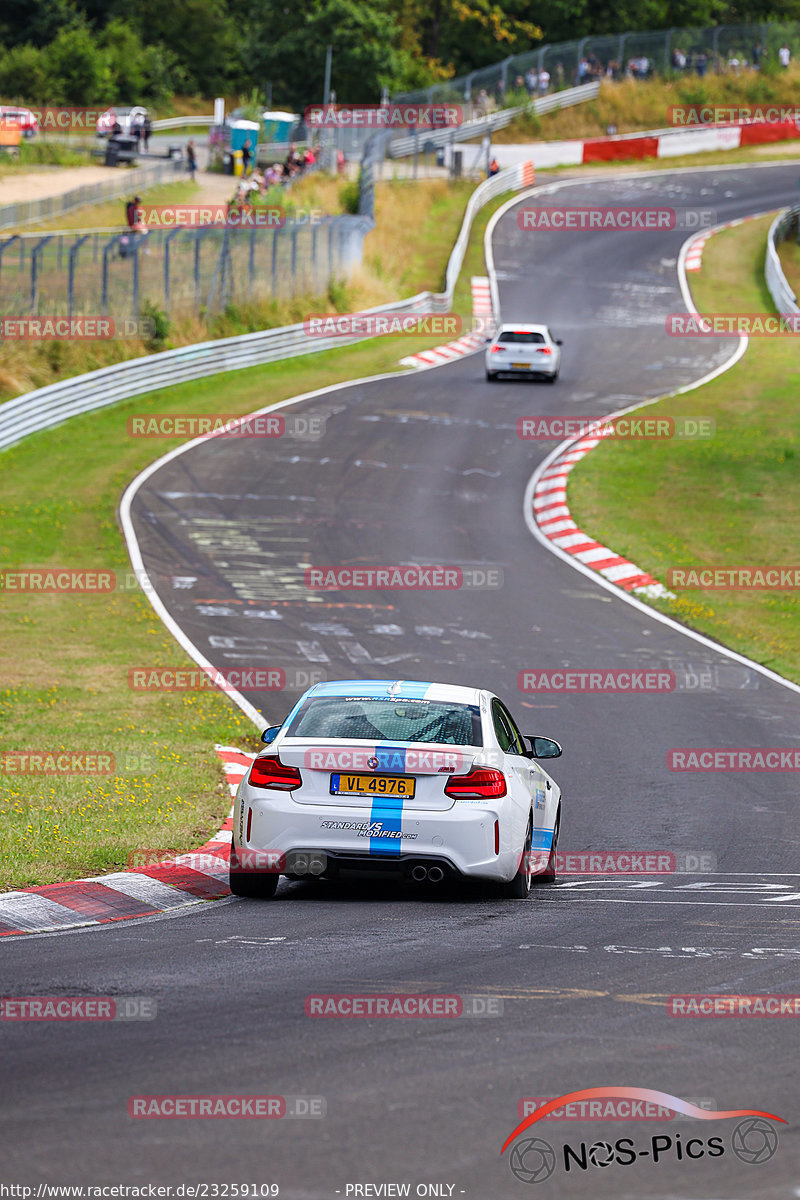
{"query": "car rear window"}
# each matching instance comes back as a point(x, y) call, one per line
point(364, 717)
point(518, 335)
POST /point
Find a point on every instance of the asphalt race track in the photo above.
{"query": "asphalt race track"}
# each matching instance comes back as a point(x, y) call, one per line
point(428, 468)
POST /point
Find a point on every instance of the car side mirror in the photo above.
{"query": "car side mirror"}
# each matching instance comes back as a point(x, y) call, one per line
point(270, 734)
point(559, 342)
point(542, 747)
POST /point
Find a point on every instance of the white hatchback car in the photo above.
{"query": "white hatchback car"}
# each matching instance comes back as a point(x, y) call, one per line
point(124, 117)
point(523, 350)
point(424, 781)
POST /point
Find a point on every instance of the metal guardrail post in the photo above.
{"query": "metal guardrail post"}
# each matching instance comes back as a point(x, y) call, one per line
point(197, 236)
point(111, 245)
point(35, 271)
point(73, 256)
point(275, 236)
point(5, 245)
point(136, 245)
point(251, 261)
point(294, 254)
point(667, 44)
point(172, 233)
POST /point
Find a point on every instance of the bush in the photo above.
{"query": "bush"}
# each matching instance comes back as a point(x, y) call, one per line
point(349, 195)
point(79, 68)
point(159, 323)
point(24, 73)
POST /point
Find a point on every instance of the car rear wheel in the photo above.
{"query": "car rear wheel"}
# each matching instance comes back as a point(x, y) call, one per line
point(552, 378)
point(520, 886)
point(253, 885)
point(491, 376)
point(548, 875)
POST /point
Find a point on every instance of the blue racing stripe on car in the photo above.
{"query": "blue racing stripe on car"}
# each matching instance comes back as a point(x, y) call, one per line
point(542, 839)
point(388, 810)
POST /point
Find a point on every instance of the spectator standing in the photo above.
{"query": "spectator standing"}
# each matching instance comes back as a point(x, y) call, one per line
point(544, 82)
point(133, 216)
point(531, 81)
point(147, 129)
point(191, 160)
point(136, 130)
point(494, 168)
point(785, 55)
point(247, 155)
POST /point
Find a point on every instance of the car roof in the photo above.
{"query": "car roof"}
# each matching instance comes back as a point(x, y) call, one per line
point(521, 327)
point(396, 689)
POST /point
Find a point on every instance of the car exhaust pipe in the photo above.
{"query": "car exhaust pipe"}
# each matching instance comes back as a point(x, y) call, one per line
point(419, 873)
point(316, 866)
point(299, 865)
point(435, 874)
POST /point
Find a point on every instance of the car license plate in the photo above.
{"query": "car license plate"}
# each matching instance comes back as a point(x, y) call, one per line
point(372, 785)
point(521, 366)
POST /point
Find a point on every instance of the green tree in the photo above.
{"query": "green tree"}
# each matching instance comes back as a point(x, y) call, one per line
point(79, 68)
point(201, 34)
point(36, 22)
point(288, 46)
point(24, 75)
point(125, 57)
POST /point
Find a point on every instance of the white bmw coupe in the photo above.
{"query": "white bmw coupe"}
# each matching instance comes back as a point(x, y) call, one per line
point(425, 781)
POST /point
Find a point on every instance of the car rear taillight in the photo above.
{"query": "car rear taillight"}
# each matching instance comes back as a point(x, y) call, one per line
point(268, 771)
point(545, 350)
point(496, 348)
point(481, 781)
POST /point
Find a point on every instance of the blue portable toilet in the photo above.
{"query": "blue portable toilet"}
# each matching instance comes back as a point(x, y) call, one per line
point(241, 131)
point(278, 126)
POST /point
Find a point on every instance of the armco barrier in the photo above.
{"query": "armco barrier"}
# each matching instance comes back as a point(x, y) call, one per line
point(166, 123)
point(659, 143)
point(402, 147)
point(783, 297)
point(49, 406)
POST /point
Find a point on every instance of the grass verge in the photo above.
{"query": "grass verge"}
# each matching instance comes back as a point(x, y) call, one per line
point(731, 500)
point(63, 672)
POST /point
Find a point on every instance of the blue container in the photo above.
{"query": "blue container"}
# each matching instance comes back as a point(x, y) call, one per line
point(278, 126)
point(241, 131)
